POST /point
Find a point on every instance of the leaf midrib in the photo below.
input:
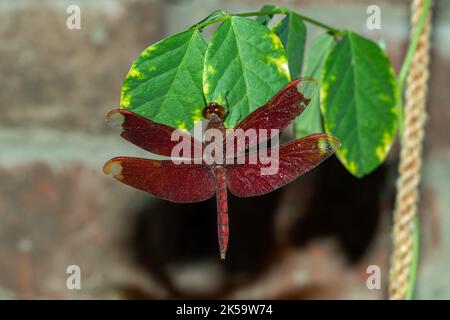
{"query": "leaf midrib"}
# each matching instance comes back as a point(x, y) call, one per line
point(356, 101)
point(245, 70)
point(170, 88)
point(240, 61)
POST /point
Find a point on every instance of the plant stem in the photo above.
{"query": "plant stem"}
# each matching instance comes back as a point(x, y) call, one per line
point(261, 13)
point(204, 24)
point(415, 260)
point(270, 13)
point(285, 11)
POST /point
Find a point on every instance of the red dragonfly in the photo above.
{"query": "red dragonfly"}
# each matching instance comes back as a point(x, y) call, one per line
point(195, 182)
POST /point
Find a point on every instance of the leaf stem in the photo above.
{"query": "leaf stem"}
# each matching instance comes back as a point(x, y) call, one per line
point(204, 24)
point(261, 13)
point(319, 24)
point(415, 260)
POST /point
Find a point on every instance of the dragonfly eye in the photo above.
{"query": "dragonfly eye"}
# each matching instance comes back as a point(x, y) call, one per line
point(213, 108)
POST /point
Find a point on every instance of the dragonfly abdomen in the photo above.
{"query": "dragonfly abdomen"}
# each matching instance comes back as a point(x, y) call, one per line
point(222, 210)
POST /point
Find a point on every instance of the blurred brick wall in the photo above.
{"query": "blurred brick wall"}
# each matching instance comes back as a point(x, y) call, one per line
point(57, 208)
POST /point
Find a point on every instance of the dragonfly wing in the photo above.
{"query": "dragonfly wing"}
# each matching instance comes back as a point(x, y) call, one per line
point(280, 110)
point(147, 134)
point(164, 178)
point(295, 158)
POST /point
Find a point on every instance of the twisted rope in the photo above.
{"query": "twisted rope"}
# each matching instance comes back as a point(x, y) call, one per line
point(410, 161)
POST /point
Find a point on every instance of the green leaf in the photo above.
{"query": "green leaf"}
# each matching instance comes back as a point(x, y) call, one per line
point(265, 19)
point(310, 121)
point(164, 84)
point(358, 102)
point(246, 62)
point(292, 32)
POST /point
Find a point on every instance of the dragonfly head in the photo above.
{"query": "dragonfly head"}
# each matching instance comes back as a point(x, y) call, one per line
point(214, 109)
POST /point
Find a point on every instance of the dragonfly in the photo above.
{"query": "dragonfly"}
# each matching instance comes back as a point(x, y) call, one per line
point(199, 181)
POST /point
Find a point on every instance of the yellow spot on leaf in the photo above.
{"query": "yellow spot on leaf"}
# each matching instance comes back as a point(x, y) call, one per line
point(343, 152)
point(125, 101)
point(148, 51)
point(197, 115)
point(206, 88)
point(352, 167)
point(134, 73)
point(276, 42)
point(181, 125)
point(211, 70)
point(343, 156)
point(323, 96)
point(281, 64)
point(382, 150)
